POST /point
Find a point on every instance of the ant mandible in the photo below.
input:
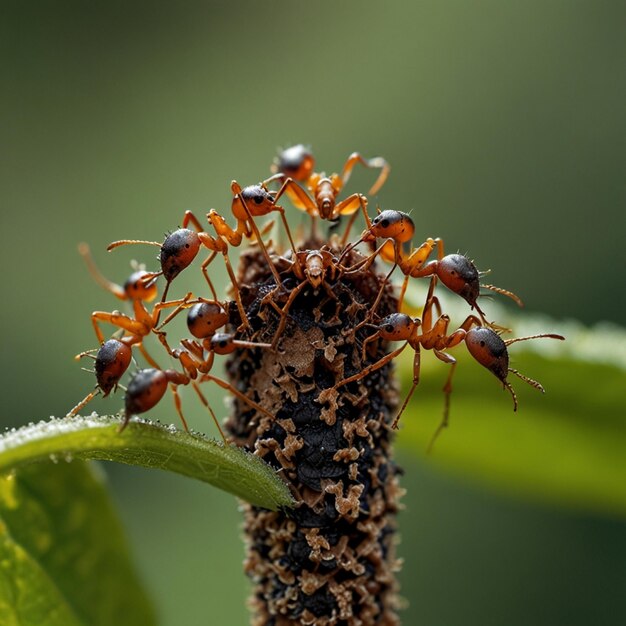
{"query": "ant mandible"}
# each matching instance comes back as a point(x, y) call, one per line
point(317, 193)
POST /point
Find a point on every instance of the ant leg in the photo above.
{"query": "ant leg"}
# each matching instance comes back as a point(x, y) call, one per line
point(245, 323)
point(405, 284)
point(370, 368)
point(208, 406)
point(372, 311)
point(367, 262)
point(413, 264)
point(298, 196)
point(115, 289)
point(152, 320)
point(148, 358)
point(349, 206)
point(178, 406)
point(376, 162)
point(88, 398)
point(284, 312)
point(233, 236)
point(368, 339)
point(416, 379)
point(224, 385)
point(180, 307)
point(190, 217)
point(447, 390)
point(349, 225)
point(116, 319)
point(203, 267)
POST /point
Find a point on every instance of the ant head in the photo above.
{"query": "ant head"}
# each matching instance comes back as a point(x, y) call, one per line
point(296, 162)
point(488, 348)
point(178, 251)
point(137, 287)
point(223, 343)
point(396, 327)
point(257, 199)
point(392, 224)
point(144, 391)
point(460, 275)
point(112, 360)
point(205, 318)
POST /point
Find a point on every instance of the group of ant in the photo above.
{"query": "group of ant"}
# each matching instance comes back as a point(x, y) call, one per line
point(317, 194)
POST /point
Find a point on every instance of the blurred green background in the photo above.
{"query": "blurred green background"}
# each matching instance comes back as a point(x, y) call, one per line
point(504, 125)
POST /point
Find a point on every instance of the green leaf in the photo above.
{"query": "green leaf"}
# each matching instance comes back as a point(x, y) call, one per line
point(150, 445)
point(566, 446)
point(63, 556)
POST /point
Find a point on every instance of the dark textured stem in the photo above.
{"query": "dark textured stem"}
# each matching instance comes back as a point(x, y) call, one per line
point(331, 560)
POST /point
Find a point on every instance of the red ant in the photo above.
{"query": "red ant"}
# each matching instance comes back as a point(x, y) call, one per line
point(484, 344)
point(455, 271)
point(148, 386)
point(318, 197)
point(111, 362)
point(140, 289)
point(204, 319)
point(311, 267)
point(181, 247)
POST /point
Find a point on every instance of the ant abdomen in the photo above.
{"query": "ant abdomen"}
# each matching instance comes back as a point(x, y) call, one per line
point(112, 361)
point(204, 319)
point(144, 391)
point(460, 275)
point(489, 349)
point(296, 162)
point(178, 251)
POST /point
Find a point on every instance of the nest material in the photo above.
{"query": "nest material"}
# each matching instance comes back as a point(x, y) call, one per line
point(331, 560)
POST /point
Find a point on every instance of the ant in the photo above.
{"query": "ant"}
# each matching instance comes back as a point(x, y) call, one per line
point(417, 334)
point(181, 247)
point(139, 289)
point(455, 271)
point(310, 267)
point(178, 251)
point(204, 319)
point(148, 386)
point(317, 193)
point(111, 362)
point(483, 343)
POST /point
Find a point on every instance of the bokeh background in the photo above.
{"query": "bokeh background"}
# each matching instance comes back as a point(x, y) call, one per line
point(504, 125)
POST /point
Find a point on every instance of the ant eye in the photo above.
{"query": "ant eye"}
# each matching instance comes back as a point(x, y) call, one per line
point(482, 344)
point(389, 328)
point(385, 223)
point(258, 199)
